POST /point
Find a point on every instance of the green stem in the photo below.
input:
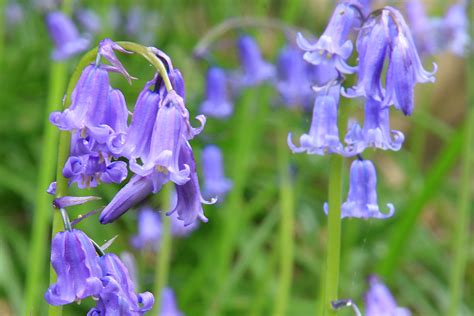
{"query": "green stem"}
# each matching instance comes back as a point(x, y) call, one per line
point(333, 253)
point(42, 216)
point(164, 255)
point(286, 227)
point(461, 228)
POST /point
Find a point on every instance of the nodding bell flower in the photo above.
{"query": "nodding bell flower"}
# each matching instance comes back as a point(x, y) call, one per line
point(454, 29)
point(76, 264)
point(380, 302)
point(334, 46)
point(189, 198)
point(255, 70)
point(65, 36)
point(323, 136)
point(118, 295)
point(106, 49)
point(217, 102)
point(362, 198)
point(404, 68)
point(294, 78)
point(215, 183)
point(376, 131)
point(168, 304)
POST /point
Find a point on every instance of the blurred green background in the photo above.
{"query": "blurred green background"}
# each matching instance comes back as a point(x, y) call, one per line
point(230, 266)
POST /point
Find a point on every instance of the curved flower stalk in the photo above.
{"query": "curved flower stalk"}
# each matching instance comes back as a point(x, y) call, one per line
point(65, 36)
point(334, 46)
point(375, 133)
point(323, 136)
point(362, 198)
point(217, 102)
point(380, 302)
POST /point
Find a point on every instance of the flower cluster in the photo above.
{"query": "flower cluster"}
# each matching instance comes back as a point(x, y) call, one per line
point(389, 68)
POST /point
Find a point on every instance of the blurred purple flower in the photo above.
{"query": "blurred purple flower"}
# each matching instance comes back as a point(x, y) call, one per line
point(362, 198)
point(422, 28)
point(380, 302)
point(14, 14)
point(75, 262)
point(149, 229)
point(323, 136)
point(118, 296)
point(294, 78)
point(334, 46)
point(255, 70)
point(455, 29)
point(89, 20)
point(376, 131)
point(217, 102)
point(215, 183)
point(168, 303)
point(65, 36)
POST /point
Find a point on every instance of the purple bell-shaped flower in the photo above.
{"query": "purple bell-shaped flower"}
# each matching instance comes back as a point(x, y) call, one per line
point(118, 296)
point(454, 29)
point(376, 131)
point(323, 136)
point(404, 67)
point(334, 46)
point(362, 198)
point(217, 102)
point(255, 69)
point(189, 198)
point(149, 229)
point(294, 78)
point(380, 302)
point(65, 36)
point(168, 303)
point(75, 261)
point(215, 183)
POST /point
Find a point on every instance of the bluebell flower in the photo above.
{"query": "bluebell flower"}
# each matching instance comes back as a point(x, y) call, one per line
point(75, 262)
point(323, 136)
point(362, 197)
point(66, 201)
point(334, 46)
point(294, 77)
point(215, 183)
point(217, 102)
point(149, 229)
point(89, 20)
point(375, 132)
point(404, 67)
point(65, 36)
point(107, 49)
point(454, 29)
point(142, 24)
point(134, 192)
point(168, 303)
point(118, 296)
point(14, 15)
point(380, 302)
point(421, 26)
point(255, 70)
point(189, 198)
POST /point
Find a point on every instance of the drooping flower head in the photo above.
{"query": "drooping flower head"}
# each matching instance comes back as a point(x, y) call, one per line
point(76, 264)
point(294, 78)
point(168, 303)
point(118, 296)
point(217, 102)
point(215, 183)
point(380, 302)
point(323, 136)
point(404, 68)
point(255, 70)
point(66, 38)
point(375, 132)
point(362, 198)
point(334, 46)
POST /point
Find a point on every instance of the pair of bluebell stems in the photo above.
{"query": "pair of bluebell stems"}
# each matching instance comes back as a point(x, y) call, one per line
point(156, 146)
point(383, 38)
